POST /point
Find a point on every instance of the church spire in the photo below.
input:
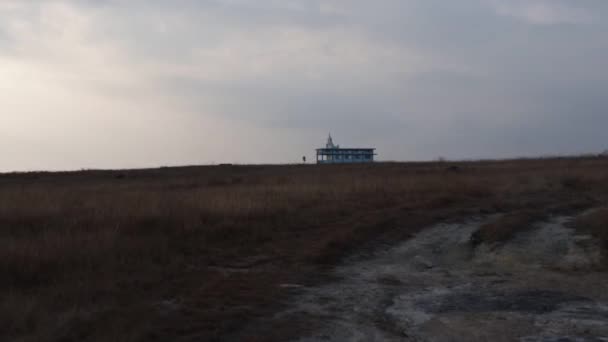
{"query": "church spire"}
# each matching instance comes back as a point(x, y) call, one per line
point(330, 142)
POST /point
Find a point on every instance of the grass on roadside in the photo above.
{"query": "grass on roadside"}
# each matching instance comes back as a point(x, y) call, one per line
point(505, 227)
point(595, 223)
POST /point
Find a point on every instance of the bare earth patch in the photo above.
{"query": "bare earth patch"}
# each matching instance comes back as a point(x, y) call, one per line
point(538, 286)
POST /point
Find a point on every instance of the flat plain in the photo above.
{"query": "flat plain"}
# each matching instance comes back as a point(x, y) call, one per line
point(237, 252)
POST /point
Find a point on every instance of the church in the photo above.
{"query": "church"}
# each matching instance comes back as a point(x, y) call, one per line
point(334, 154)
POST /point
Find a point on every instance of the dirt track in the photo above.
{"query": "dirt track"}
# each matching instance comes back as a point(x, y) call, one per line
point(540, 286)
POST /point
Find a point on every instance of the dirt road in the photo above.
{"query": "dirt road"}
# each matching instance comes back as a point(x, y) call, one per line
point(539, 286)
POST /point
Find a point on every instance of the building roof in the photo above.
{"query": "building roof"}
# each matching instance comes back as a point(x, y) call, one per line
point(347, 149)
point(330, 142)
point(330, 146)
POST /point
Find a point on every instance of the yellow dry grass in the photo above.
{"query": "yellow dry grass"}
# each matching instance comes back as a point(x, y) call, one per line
point(88, 256)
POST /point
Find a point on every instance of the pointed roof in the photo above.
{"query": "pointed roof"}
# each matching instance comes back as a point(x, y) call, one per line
point(330, 142)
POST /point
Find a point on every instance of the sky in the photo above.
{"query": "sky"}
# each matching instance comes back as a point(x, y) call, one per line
point(147, 83)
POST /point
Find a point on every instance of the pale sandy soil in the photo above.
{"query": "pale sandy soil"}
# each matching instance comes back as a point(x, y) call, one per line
point(540, 286)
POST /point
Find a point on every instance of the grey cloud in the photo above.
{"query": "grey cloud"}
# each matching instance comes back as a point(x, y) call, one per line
point(418, 79)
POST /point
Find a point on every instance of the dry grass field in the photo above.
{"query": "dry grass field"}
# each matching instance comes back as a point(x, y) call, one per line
point(595, 223)
point(199, 253)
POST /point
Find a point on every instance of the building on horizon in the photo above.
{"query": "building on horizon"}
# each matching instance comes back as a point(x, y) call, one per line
point(334, 154)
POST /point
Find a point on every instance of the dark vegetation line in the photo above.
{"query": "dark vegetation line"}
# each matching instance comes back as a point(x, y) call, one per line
point(198, 253)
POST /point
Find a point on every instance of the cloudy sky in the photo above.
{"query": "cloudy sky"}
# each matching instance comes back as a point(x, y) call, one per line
point(135, 83)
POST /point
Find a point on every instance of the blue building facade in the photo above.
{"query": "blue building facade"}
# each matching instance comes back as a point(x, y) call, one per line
point(334, 154)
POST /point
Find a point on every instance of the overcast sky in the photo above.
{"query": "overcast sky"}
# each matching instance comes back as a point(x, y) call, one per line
point(136, 83)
